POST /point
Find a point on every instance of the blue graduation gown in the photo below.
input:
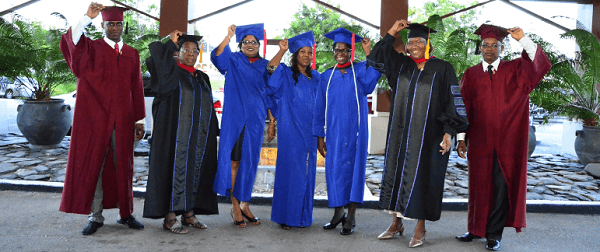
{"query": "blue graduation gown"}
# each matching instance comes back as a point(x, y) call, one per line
point(295, 172)
point(245, 104)
point(346, 141)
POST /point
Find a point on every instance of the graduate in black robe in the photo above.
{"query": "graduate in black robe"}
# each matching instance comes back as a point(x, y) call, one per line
point(423, 119)
point(183, 153)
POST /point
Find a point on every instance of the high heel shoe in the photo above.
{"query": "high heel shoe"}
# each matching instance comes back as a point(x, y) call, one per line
point(334, 225)
point(387, 234)
point(416, 242)
point(253, 221)
point(239, 224)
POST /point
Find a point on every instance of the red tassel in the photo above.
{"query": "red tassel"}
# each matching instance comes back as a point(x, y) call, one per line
point(265, 46)
point(314, 61)
point(352, 57)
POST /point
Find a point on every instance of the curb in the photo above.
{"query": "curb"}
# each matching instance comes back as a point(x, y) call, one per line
point(533, 206)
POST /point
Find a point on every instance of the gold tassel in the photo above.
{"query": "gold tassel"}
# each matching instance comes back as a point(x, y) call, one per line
point(427, 50)
point(201, 46)
point(427, 46)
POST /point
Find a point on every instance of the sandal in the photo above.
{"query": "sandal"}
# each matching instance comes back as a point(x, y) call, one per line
point(195, 222)
point(285, 227)
point(239, 224)
point(253, 221)
point(175, 227)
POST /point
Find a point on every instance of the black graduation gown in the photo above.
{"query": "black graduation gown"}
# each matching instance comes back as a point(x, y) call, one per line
point(422, 111)
point(183, 152)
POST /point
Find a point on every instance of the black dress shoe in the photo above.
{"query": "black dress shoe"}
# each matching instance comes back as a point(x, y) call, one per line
point(334, 225)
point(347, 231)
point(91, 227)
point(467, 237)
point(492, 244)
point(131, 222)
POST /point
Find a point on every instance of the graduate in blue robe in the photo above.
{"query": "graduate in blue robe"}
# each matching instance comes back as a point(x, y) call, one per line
point(244, 113)
point(294, 89)
point(340, 119)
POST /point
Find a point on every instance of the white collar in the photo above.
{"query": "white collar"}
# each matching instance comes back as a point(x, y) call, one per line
point(494, 65)
point(112, 43)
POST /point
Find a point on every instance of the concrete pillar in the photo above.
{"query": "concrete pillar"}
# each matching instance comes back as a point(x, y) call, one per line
point(392, 10)
point(568, 137)
point(173, 16)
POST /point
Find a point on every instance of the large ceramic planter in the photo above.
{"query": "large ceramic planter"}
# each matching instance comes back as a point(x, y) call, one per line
point(44, 123)
point(532, 140)
point(587, 145)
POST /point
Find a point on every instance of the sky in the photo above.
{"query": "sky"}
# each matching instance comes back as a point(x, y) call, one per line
point(277, 14)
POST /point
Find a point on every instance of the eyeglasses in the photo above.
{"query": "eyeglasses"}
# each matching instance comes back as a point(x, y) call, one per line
point(196, 52)
point(417, 42)
point(494, 46)
point(346, 51)
point(112, 25)
point(247, 42)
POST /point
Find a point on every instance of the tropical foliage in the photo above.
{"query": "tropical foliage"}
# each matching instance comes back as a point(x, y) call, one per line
point(30, 51)
point(572, 86)
point(321, 21)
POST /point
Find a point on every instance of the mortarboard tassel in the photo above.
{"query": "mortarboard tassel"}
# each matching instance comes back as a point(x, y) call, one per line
point(126, 28)
point(201, 46)
point(477, 47)
point(352, 56)
point(427, 46)
point(265, 42)
point(314, 57)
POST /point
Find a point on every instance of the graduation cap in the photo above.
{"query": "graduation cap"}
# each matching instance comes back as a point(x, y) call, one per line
point(256, 30)
point(113, 13)
point(345, 36)
point(420, 31)
point(491, 31)
point(306, 39)
point(191, 38)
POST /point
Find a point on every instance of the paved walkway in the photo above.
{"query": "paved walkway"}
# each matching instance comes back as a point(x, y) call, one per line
point(30, 221)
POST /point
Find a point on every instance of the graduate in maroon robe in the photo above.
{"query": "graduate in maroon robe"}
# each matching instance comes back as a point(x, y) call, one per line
point(496, 97)
point(110, 99)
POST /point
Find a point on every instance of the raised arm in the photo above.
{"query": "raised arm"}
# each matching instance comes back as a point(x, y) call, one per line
point(76, 53)
point(283, 46)
point(164, 64)
point(225, 42)
point(383, 56)
point(366, 45)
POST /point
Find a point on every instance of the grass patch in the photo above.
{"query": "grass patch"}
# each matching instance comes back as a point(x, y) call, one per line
point(65, 88)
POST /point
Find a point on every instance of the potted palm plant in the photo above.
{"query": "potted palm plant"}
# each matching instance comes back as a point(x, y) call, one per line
point(40, 68)
point(572, 88)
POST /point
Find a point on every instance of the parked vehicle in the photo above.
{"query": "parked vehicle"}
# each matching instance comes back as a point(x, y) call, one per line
point(540, 115)
point(21, 87)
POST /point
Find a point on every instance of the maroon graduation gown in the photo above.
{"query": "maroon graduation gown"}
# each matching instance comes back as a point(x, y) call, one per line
point(498, 113)
point(109, 96)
